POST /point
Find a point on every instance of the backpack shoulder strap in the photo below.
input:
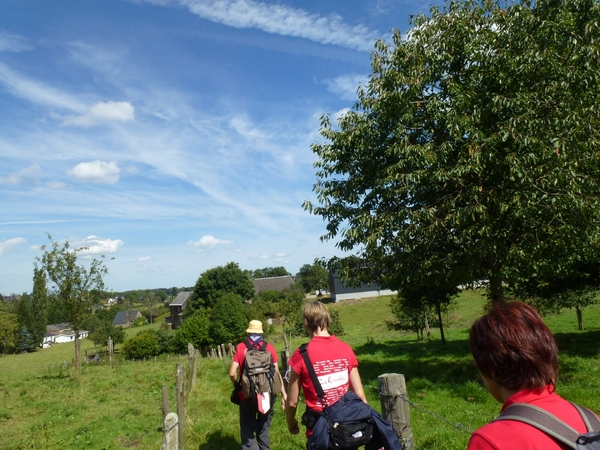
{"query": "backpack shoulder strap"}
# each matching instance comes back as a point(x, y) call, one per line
point(591, 420)
point(249, 344)
point(543, 421)
point(263, 345)
point(311, 372)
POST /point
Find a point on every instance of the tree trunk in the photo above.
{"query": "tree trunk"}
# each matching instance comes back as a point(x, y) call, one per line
point(427, 330)
point(579, 318)
point(77, 354)
point(438, 308)
point(496, 292)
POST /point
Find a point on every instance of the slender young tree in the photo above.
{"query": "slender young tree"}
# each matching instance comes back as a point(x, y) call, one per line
point(39, 305)
point(478, 135)
point(73, 285)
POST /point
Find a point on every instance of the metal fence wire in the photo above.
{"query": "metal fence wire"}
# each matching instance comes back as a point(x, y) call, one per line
point(457, 426)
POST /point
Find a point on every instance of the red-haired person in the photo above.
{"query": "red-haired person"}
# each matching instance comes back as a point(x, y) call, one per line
point(517, 357)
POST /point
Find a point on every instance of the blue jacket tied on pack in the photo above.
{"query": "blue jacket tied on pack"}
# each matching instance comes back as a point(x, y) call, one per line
point(351, 408)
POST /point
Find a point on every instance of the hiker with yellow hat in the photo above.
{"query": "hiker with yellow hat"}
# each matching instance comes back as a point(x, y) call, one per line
point(256, 380)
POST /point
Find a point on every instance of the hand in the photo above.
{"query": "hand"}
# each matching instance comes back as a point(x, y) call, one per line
point(293, 427)
point(283, 400)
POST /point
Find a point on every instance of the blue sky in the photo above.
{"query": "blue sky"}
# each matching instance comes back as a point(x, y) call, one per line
point(173, 135)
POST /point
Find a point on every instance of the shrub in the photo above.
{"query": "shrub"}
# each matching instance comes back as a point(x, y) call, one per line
point(143, 345)
point(194, 329)
point(101, 334)
point(228, 320)
point(336, 328)
point(139, 322)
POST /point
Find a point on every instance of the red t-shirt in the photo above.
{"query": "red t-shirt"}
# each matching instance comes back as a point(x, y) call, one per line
point(515, 435)
point(240, 355)
point(333, 361)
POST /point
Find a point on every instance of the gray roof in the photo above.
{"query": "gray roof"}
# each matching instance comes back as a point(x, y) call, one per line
point(124, 317)
point(181, 299)
point(272, 283)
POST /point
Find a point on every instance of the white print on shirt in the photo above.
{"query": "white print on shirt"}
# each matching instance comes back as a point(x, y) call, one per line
point(334, 378)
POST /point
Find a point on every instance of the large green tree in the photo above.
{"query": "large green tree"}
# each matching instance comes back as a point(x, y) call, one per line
point(313, 277)
point(218, 281)
point(24, 313)
point(228, 321)
point(9, 324)
point(73, 285)
point(577, 290)
point(475, 144)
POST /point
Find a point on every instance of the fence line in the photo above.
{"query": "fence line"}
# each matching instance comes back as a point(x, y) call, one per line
point(457, 426)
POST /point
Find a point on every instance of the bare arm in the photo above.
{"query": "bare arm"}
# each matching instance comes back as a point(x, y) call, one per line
point(356, 384)
point(233, 372)
point(291, 404)
point(283, 393)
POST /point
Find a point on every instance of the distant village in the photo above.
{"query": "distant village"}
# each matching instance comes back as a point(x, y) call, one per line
point(177, 303)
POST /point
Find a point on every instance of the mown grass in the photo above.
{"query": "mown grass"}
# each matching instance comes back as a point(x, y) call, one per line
point(43, 406)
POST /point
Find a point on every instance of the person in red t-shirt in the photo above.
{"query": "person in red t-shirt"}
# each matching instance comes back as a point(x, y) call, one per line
point(254, 425)
point(335, 365)
point(517, 357)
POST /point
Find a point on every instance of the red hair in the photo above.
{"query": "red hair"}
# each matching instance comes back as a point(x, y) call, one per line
point(512, 346)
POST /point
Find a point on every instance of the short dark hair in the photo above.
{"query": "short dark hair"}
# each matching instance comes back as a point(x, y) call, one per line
point(512, 346)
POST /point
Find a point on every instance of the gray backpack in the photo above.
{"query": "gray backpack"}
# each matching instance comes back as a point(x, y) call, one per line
point(259, 372)
point(556, 428)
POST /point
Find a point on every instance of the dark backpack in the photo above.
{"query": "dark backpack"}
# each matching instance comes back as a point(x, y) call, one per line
point(556, 428)
point(344, 434)
point(259, 371)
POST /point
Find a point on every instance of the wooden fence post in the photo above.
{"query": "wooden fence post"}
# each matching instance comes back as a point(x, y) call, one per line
point(165, 402)
point(111, 352)
point(180, 405)
point(191, 351)
point(395, 408)
point(171, 432)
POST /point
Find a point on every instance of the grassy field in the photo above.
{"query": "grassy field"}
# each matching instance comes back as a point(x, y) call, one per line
point(42, 405)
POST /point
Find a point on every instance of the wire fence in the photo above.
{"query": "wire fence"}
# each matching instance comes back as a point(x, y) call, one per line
point(456, 425)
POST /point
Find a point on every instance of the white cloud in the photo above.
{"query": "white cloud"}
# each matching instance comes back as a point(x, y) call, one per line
point(13, 42)
point(339, 114)
point(284, 20)
point(145, 258)
point(11, 244)
point(209, 241)
point(246, 128)
point(27, 174)
point(36, 92)
point(346, 86)
point(281, 257)
point(96, 172)
point(98, 246)
point(103, 112)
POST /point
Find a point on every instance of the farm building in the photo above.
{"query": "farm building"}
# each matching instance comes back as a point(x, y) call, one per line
point(177, 307)
point(340, 291)
point(272, 283)
point(59, 333)
point(124, 319)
